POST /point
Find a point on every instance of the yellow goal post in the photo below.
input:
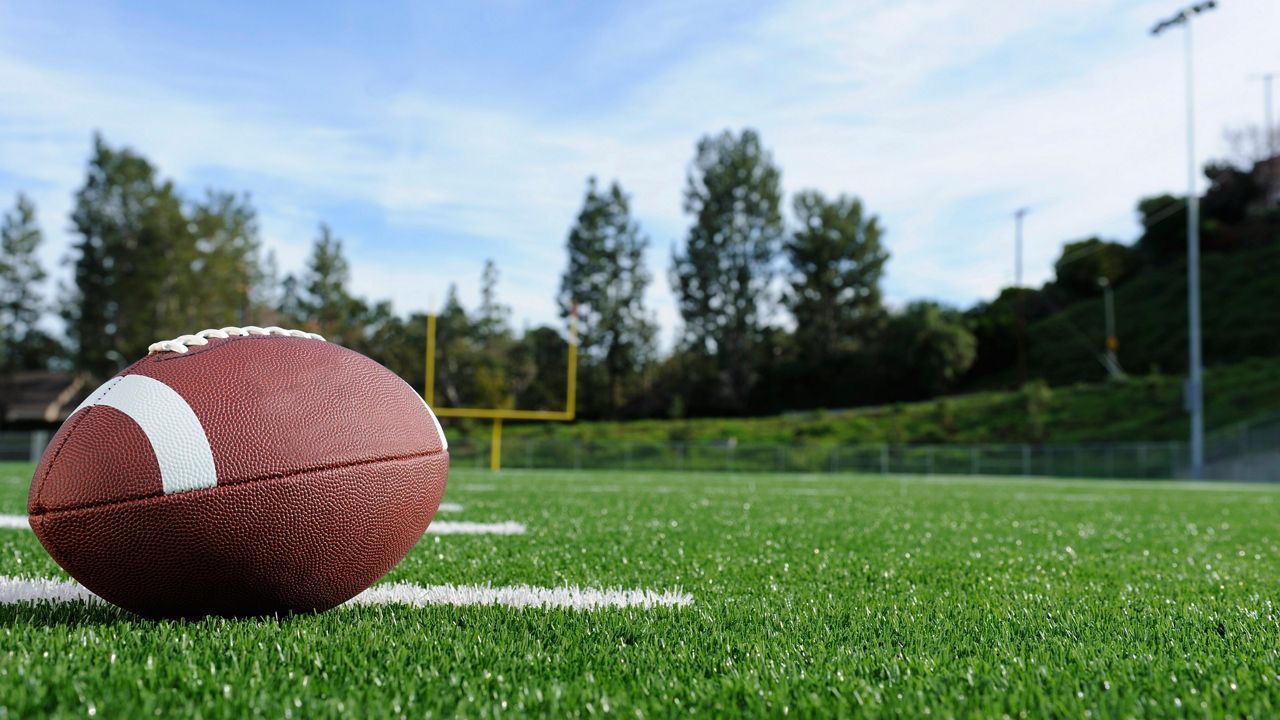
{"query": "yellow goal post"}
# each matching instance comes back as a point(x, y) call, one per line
point(497, 415)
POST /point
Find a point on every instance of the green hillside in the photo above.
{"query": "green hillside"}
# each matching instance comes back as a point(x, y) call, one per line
point(1241, 325)
point(1240, 309)
point(1139, 408)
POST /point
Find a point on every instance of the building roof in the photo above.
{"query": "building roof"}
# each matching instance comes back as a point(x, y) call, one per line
point(40, 396)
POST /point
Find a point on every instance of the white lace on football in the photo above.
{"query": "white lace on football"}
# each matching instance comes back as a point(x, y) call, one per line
point(181, 343)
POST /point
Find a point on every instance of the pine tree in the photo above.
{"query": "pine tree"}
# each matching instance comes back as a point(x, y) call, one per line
point(23, 345)
point(134, 263)
point(723, 278)
point(320, 300)
point(491, 366)
point(492, 323)
point(226, 233)
point(836, 260)
point(606, 279)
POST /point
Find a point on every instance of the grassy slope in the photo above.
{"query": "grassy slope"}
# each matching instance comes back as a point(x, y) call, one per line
point(833, 594)
point(1141, 408)
point(1240, 306)
point(1241, 309)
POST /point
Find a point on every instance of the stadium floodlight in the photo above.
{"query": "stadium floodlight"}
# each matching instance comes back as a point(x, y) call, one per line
point(497, 415)
point(1194, 389)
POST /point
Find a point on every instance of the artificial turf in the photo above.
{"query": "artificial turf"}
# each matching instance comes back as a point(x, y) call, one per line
point(831, 594)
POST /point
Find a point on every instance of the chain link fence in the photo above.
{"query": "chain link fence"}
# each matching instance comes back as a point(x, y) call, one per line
point(1247, 451)
point(1114, 460)
point(23, 446)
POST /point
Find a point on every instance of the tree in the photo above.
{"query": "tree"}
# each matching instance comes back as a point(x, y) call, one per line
point(723, 278)
point(320, 299)
point(398, 345)
point(606, 281)
point(491, 363)
point(837, 261)
point(541, 360)
point(1083, 262)
point(1164, 228)
point(1231, 191)
point(492, 322)
point(1251, 144)
point(132, 263)
point(454, 351)
point(925, 350)
point(23, 345)
point(226, 235)
point(147, 265)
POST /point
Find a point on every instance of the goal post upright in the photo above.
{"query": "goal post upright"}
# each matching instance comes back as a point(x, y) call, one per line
point(497, 415)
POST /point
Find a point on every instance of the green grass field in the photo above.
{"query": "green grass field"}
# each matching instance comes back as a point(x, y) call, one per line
point(830, 594)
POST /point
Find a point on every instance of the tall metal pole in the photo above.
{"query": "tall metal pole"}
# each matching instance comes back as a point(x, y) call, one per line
point(1195, 388)
point(1018, 215)
point(1268, 138)
point(1017, 248)
point(1266, 115)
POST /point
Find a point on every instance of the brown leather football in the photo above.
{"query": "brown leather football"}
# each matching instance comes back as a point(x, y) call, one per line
point(241, 471)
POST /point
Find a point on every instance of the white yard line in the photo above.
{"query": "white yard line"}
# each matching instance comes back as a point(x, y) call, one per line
point(440, 527)
point(444, 527)
point(15, 522)
point(450, 507)
point(27, 590)
point(519, 596)
point(30, 590)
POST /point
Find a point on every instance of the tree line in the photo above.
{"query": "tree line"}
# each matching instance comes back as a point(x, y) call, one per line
point(776, 314)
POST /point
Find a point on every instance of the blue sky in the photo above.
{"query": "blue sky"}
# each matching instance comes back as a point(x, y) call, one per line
point(432, 136)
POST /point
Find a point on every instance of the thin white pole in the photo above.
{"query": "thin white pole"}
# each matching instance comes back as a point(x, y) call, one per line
point(1195, 389)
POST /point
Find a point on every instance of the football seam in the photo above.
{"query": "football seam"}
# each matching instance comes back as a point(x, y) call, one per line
point(263, 478)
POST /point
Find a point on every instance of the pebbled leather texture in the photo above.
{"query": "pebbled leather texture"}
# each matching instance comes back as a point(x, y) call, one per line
point(329, 469)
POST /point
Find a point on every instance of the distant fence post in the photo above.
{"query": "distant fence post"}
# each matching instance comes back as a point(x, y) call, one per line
point(884, 458)
point(1026, 460)
point(975, 464)
point(626, 456)
point(929, 460)
point(39, 439)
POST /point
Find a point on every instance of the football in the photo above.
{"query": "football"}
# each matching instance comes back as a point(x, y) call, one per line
point(240, 471)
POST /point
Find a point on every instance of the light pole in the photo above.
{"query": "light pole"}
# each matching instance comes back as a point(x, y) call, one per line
point(1268, 139)
point(1109, 302)
point(1018, 215)
point(1194, 389)
point(1267, 142)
